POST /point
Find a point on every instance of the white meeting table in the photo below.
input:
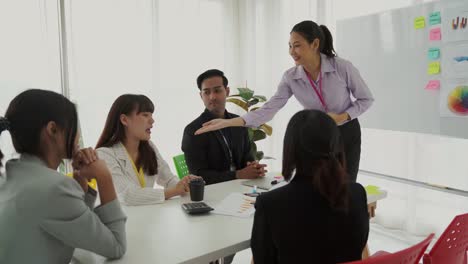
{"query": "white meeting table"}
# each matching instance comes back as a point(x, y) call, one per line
point(164, 233)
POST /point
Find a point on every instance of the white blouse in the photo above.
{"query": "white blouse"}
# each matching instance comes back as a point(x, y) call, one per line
point(126, 181)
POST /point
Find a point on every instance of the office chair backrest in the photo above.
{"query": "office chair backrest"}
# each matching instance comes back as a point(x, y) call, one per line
point(452, 246)
point(181, 166)
point(411, 255)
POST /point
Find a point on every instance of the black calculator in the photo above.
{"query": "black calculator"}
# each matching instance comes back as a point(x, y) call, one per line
point(196, 208)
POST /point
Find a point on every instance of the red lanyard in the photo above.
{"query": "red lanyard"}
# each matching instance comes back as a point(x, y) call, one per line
point(318, 90)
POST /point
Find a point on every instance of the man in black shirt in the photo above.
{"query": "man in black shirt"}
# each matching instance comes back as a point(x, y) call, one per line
point(221, 155)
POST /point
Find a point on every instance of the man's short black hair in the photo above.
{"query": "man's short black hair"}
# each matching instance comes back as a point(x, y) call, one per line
point(209, 74)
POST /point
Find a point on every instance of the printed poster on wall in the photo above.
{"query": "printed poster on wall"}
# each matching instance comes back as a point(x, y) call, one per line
point(454, 98)
point(455, 23)
point(455, 60)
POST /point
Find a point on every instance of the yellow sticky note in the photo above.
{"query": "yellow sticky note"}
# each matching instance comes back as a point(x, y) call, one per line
point(419, 22)
point(372, 189)
point(433, 68)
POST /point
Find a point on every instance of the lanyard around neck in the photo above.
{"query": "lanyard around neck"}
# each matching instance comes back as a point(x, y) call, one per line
point(318, 90)
point(139, 173)
point(232, 166)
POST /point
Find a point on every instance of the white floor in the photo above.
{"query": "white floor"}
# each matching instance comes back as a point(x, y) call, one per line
point(379, 239)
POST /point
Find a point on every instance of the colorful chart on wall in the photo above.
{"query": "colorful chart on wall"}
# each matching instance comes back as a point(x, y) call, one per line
point(455, 60)
point(457, 100)
point(455, 25)
point(454, 99)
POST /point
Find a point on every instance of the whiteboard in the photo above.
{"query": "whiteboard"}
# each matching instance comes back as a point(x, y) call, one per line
point(391, 56)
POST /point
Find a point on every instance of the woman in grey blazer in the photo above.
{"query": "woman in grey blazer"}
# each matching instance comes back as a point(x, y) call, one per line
point(45, 215)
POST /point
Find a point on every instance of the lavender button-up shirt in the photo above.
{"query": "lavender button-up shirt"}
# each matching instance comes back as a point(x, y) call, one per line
point(340, 79)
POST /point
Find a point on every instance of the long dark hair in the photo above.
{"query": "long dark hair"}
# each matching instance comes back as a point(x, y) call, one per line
point(114, 131)
point(30, 111)
point(313, 148)
point(311, 31)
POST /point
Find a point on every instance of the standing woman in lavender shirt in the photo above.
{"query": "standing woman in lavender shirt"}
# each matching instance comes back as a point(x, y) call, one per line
point(320, 80)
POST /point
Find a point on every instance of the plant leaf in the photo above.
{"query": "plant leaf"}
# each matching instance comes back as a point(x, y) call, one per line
point(239, 102)
point(268, 129)
point(253, 101)
point(253, 149)
point(236, 96)
point(254, 108)
point(258, 135)
point(259, 155)
point(260, 98)
point(245, 93)
point(251, 133)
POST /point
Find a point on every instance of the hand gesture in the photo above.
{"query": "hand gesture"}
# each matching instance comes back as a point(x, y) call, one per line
point(213, 125)
point(339, 118)
point(83, 157)
point(251, 171)
point(86, 164)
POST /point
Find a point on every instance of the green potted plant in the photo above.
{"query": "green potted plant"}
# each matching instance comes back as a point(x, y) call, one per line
point(247, 101)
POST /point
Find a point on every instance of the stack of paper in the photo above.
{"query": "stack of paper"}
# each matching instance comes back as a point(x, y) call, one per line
point(236, 204)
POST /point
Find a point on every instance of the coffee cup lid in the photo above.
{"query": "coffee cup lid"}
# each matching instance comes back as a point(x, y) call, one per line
point(197, 180)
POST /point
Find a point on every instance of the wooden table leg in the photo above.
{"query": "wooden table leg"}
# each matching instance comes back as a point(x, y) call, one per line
point(371, 209)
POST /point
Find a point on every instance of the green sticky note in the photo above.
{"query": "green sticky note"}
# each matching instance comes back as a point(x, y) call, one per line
point(434, 18)
point(372, 189)
point(433, 53)
point(433, 68)
point(419, 22)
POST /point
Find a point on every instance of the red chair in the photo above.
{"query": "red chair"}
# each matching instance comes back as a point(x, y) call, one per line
point(452, 246)
point(411, 255)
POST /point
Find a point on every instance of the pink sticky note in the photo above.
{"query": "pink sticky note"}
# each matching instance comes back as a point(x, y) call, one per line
point(433, 85)
point(434, 34)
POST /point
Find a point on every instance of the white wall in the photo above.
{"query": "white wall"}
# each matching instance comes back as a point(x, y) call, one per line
point(156, 48)
point(29, 55)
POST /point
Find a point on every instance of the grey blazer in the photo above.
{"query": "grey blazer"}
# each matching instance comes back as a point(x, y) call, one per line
point(45, 215)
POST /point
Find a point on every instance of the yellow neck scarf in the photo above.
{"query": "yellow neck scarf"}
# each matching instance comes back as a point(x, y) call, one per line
point(139, 173)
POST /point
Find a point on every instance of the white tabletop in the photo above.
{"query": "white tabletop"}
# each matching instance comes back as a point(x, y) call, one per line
point(164, 233)
point(375, 197)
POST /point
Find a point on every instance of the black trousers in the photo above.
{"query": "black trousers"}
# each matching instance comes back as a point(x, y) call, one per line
point(351, 136)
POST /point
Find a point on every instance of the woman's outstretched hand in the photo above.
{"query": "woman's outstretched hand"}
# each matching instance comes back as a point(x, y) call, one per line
point(219, 123)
